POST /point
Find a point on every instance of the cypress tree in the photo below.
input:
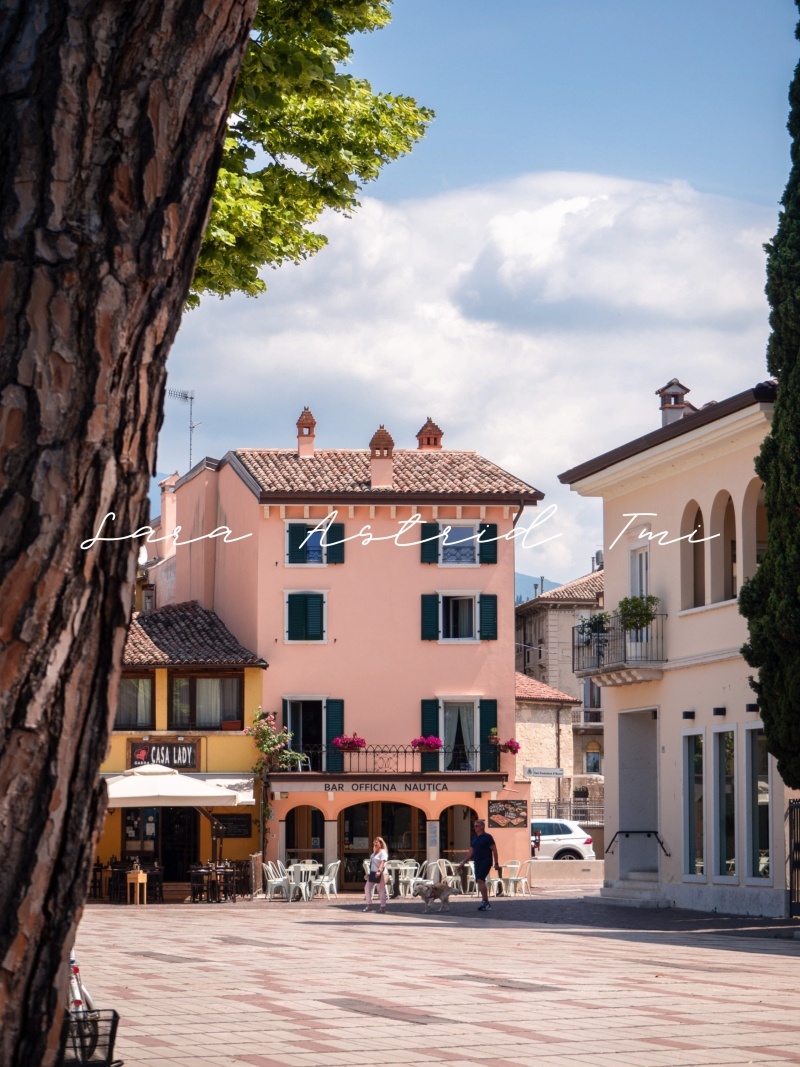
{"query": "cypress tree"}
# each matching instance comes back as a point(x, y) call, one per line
point(771, 599)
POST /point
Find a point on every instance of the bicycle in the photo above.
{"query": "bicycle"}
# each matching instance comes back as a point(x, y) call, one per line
point(83, 1030)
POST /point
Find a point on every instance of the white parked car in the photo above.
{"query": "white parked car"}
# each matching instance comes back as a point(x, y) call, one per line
point(561, 839)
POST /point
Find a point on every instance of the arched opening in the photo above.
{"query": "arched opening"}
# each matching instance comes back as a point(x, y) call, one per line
point(723, 549)
point(754, 528)
point(305, 834)
point(455, 831)
point(693, 558)
point(593, 758)
point(402, 827)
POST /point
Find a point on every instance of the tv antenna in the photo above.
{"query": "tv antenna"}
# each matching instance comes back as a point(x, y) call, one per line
point(187, 398)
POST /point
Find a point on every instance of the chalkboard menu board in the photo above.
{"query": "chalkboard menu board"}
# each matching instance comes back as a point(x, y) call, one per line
point(235, 825)
point(504, 813)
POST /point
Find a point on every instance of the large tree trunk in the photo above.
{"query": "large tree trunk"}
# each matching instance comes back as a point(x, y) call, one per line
point(111, 119)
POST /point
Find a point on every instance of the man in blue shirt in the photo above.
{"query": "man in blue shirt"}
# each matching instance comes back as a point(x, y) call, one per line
point(483, 851)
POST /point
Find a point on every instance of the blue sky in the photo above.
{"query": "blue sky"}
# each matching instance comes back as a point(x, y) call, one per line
point(584, 221)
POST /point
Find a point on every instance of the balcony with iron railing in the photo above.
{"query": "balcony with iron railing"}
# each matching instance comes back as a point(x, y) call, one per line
point(616, 656)
point(399, 759)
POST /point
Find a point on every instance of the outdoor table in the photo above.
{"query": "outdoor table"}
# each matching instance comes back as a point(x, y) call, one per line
point(395, 867)
point(302, 875)
point(137, 887)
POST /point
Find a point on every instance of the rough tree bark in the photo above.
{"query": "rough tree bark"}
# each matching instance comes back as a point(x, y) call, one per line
point(111, 118)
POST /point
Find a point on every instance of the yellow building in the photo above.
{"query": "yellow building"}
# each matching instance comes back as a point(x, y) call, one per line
point(187, 695)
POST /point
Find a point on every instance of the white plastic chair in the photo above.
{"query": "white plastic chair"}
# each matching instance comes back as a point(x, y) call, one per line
point(449, 874)
point(514, 880)
point(326, 883)
point(407, 875)
point(428, 873)
point(472, 885)
point(277, 882)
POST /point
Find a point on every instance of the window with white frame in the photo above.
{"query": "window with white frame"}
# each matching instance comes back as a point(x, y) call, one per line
point(725, 803)
point(459, 616)
point(640, 571)
point(758, 805)
point(307, 545)
point(694, 805)
point(458, 544)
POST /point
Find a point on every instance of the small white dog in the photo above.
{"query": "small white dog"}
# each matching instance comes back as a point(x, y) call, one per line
point(439, 891)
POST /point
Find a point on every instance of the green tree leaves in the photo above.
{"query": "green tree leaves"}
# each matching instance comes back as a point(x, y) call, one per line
point(303, 136)
point(771, 599)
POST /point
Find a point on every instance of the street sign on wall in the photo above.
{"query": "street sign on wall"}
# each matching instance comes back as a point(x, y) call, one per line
point(544, 772)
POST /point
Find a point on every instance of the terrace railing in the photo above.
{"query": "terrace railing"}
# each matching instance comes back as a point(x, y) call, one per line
point(399, 759)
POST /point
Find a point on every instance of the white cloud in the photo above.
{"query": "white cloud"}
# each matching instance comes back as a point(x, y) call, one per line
point(533, 320)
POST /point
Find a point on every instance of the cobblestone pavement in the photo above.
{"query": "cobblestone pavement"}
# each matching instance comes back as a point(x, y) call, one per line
point(555, 980)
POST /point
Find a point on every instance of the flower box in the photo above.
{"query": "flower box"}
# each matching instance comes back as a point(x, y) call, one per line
point(231, 724)
point(494, 740)
point(349, 743)
point(432, 743)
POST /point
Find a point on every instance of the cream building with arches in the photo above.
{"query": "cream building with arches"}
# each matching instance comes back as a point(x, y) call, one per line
point(693, 797)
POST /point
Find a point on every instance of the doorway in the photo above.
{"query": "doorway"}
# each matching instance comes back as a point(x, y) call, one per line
point(305, 834)
point(638, 791)
point(179, 842)
point(400, 825)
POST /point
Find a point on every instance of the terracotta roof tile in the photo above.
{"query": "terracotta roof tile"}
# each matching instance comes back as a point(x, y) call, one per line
point(332, 471)
point(528, 688)
point(184, 635)
point(586, 588)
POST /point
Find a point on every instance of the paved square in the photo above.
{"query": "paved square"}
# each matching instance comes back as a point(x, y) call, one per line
point(555, 981)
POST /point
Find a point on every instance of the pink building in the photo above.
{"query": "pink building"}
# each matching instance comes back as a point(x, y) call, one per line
point(378, 585)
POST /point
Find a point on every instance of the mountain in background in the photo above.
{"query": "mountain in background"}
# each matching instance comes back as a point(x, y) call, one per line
point(526, 587)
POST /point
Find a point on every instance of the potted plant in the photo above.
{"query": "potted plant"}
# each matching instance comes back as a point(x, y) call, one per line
point(637, 612)
point(427, 744)
point(593, 626)
point(349, 742)
point(493, 738)
point(510, 746)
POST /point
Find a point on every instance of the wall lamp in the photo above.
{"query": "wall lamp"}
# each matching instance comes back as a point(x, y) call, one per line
point(751, 707)
point(688, 714)
point(720, 711)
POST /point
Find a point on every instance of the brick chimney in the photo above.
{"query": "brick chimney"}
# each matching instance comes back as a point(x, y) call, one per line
point(305, 434)
point(674, 405)
point(429, 438)
point(381, 462)
point(168, 517)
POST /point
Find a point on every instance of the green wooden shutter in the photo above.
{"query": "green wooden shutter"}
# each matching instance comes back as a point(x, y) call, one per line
point(430, 725)
point(315, 613)
point(487, 550)
point(296, 628)
point(487, 616)
point(335, 553)
point(429, 549)
point(490, 754)
point(298, 531)
point(334, 727)
point(430, 616)
point(285, 709)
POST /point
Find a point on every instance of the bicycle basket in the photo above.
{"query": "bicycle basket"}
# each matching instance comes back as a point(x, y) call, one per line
point(88, 1037)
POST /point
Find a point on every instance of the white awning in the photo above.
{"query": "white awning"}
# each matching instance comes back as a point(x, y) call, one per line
point(242, 784)
point(154, 785)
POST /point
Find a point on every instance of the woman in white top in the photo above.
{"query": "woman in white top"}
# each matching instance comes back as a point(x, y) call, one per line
point(377, 862)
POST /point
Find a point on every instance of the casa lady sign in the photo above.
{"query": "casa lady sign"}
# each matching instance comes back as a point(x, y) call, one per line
point(179, 754)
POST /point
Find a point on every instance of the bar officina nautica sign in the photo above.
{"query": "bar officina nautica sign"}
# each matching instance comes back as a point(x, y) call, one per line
point(394, 787)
